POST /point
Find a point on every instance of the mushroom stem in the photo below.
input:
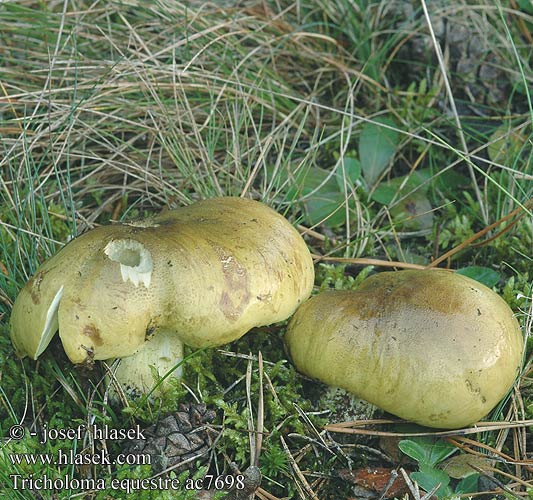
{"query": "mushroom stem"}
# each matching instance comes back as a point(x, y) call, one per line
point(162, 352)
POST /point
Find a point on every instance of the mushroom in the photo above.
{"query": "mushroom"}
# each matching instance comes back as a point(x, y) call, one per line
point(429, 346)
point(201, 275)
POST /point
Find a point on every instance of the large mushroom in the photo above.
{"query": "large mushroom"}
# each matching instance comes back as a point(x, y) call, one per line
point(201, 275)
point(432, 347)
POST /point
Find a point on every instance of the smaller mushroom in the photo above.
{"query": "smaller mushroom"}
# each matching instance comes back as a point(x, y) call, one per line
point(201, 275)
point(432, 347)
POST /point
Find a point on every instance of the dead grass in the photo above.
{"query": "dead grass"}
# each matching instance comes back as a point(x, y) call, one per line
point(110, 110)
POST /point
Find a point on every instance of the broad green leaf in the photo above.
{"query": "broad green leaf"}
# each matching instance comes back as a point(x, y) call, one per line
point(316, 179)
point(489, 277)
point(388, 190)
point(426, 450)
point(304, 181)
point(384, 193)
point(352, 172)
point(377, 146)
point(327, 207)
point(469, 484)
point(428, 478)
point(421, 179)
point(413, 213)
point(326, 198)
point(525, 5)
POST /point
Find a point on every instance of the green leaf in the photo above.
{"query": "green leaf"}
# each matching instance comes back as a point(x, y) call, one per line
point(384, 193)
point(326, 207)
point(426, 450)
point(525, 5)
point(352, 172)
point(388, 190)
point(286, 180)
point(325, 200)
point(413, 213)
point(428, 478)
point(489, 277)
point(422, 179)
point(377, 146)
point(325, 197)
point(316, 179)
point(304, 181)
point(468, 485)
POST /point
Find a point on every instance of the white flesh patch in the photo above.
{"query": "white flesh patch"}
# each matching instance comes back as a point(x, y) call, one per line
point(51, 324)
point(163, 351)
point(135, 261)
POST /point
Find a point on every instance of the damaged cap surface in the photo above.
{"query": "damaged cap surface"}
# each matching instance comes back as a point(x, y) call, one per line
point(207, 272)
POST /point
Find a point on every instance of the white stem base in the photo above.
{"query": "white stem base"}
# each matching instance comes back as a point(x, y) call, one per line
point(162, 352)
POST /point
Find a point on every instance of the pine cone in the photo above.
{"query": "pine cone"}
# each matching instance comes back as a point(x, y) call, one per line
point(179, 438)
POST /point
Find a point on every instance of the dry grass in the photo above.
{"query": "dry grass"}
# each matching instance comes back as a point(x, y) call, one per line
point(110, 110)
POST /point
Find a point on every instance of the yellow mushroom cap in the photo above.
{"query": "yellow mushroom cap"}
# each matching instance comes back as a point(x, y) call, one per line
point(208, 272)
point(432, 347)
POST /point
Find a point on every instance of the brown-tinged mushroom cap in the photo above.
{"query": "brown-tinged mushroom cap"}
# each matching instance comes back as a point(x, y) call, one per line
point(432, 347)
point(206, 274)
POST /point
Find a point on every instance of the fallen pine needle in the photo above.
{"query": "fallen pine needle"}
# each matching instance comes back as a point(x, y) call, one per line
point(355, 428)
point(367, 262)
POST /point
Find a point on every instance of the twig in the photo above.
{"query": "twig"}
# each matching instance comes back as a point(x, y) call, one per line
point(311, 232)
point(251, 428)
point(348, 428)
point(499, 483)
point(484, 231)
point(367, 262)
point(265, 495)
point(260, 414)
point(465, 444)
point(309, 493)
point(388, 486)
